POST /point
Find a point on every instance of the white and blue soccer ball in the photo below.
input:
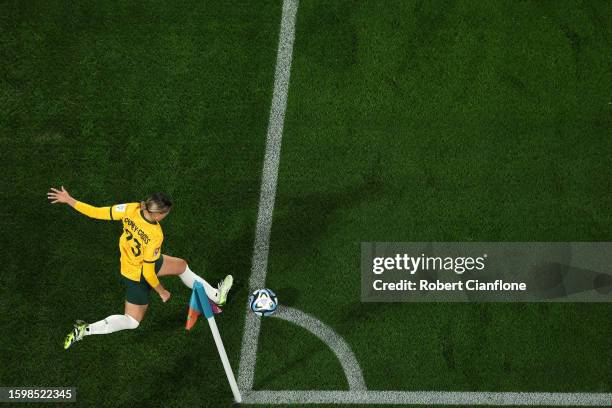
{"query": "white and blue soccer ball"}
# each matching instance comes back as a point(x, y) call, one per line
point(263, 302)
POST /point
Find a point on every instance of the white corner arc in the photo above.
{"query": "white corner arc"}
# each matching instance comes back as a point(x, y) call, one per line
point(333, 340)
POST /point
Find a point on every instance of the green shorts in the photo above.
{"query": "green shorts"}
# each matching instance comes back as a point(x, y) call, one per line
point(137, 293)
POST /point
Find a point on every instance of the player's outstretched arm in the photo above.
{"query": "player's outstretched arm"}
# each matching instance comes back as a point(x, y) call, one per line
point(62, 196)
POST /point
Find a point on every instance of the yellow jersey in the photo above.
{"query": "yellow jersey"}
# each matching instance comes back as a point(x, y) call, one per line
point(139, 244)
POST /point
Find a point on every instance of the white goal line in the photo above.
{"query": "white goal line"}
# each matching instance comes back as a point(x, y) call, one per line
point(427, 398)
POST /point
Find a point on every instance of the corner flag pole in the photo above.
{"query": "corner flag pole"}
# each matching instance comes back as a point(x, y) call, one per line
point(208, 313)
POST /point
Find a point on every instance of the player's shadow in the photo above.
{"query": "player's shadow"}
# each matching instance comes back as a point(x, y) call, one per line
point(302, 222)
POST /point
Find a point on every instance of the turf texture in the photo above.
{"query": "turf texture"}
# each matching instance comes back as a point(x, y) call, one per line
point(406, 121)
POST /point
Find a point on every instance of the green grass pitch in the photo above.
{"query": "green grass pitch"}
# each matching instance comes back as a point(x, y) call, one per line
point(406, 121)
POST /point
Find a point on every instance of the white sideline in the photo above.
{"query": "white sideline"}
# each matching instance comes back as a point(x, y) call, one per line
point(427, 398)
point(248, 359)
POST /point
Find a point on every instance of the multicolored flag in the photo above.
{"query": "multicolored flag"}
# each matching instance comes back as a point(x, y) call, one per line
point(200, 304)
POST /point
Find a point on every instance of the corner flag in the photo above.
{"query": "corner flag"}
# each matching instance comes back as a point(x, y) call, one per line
point(196, 305)
point(201, 304)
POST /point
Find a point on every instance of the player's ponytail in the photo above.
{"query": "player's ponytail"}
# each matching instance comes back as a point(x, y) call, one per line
point(157, 203)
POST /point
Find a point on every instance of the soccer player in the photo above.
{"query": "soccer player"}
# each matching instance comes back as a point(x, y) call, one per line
point(141, 261)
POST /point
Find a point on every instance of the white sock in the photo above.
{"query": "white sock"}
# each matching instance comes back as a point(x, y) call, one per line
point(189, 278)
point(112, 324)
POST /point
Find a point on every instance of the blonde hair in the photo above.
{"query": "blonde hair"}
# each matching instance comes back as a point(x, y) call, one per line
point(157, 203)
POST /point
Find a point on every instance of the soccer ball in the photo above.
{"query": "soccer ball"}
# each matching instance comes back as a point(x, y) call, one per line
point(263, 302)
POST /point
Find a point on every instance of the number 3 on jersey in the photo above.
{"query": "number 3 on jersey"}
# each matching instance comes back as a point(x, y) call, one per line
point(136, 248)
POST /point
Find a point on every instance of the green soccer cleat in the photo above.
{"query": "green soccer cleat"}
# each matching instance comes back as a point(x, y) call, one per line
point(224, 286)
point(76, 334)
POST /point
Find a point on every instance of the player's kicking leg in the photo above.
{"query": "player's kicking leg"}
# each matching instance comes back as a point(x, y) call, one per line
point(177, 266)
point(223, 288)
